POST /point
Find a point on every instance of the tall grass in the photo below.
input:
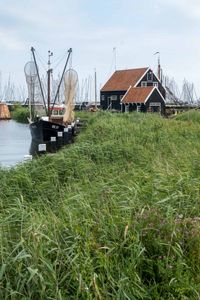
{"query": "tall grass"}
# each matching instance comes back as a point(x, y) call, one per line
point(190, 116)
point(113, 216)
point(20, 114)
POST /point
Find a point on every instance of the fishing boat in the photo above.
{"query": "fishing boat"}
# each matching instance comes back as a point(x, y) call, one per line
point(51, 125)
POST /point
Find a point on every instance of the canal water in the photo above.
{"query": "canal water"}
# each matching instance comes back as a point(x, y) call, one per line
point(15, 140)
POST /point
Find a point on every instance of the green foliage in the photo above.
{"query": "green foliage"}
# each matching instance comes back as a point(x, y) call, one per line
point(20, 114)
point(113, 216)
point(190, 116)
point(15, 106)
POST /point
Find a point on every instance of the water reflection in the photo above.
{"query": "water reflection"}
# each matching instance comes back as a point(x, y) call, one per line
point(37, 148)
point(15, 142)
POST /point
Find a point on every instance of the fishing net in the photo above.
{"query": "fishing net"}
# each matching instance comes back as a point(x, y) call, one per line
point(30, 72)
point(71, 87)
point(34, 93)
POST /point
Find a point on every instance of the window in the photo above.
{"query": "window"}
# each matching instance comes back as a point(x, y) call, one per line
point(155, 84)
point(143, 83)
point(55, 112)
point(102, 97)
point(61, 112)
point(155, 104)
point(113, 97)
point(150, 76)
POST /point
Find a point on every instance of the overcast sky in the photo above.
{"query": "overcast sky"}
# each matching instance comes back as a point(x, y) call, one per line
point(137, 29)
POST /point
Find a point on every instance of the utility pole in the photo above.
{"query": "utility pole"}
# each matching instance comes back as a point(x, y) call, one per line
point(115, 57)
point(95, 88)
point(159, 67)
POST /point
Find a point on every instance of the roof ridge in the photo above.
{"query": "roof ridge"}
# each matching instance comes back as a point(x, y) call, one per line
point(132, 69)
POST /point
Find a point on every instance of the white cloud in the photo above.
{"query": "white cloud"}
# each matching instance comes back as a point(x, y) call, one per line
point(93, 32)
point(191, 8)
point(10, 40)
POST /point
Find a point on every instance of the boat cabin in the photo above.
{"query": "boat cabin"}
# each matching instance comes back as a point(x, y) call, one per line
point(57, 112)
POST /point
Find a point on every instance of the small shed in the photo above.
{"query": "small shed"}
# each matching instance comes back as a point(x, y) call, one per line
point(4, 112)
point(144, 99)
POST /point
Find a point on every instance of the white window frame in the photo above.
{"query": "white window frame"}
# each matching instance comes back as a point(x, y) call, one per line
point(113, 98)
point(139, 108)
point(155, 83)
point(155, 104)
point(143, 84)
point(126, 108)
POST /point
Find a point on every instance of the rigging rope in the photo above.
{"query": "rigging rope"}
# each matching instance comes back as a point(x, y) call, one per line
point(41, 61)
point(59, 60)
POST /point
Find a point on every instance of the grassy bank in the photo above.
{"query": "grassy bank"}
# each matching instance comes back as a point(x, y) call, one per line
point(192, 115)
point(114, 216)
point(20, 114)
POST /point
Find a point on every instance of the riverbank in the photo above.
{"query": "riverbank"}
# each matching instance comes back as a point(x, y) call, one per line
point(113, 216)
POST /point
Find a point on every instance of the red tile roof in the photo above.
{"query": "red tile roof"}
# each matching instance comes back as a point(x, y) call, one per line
point(137, 95)
point(121, 80)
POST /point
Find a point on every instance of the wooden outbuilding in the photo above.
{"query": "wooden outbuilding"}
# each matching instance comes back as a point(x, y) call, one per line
point(134, 89)
point(4, 112)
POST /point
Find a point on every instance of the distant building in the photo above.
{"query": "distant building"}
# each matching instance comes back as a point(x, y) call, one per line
point(4, 112)
point(134, 89)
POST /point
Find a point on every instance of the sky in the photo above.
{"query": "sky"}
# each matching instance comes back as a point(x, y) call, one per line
point(136, 29)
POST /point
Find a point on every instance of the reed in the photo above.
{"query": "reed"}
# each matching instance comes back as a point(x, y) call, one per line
point(113, 216)
point(20, 114)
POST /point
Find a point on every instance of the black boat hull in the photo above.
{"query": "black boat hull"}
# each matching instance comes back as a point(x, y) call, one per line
point(49, 136)
point(43, 131)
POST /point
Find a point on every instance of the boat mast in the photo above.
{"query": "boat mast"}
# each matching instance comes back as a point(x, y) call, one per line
point(58, 89)
point(37, 71)
point(49, 71)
